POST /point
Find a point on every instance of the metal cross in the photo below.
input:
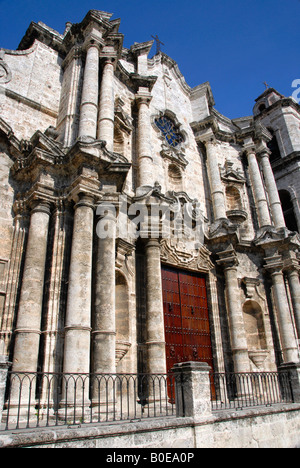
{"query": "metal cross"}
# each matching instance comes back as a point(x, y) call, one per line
point(266, 85)
point(158, 43)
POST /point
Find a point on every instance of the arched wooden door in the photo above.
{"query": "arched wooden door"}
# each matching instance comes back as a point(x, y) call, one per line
point(187, 329)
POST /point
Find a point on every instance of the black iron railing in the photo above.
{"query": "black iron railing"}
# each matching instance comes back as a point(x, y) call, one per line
point(244, 390)
point(43, 400)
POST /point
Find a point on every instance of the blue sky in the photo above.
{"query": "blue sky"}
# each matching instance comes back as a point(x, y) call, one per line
point(236, 45)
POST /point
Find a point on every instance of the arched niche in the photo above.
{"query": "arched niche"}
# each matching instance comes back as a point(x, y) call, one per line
point(233, 199)
point(174, 178)
point(123, 343)
point(254, 326)
point(118, 141)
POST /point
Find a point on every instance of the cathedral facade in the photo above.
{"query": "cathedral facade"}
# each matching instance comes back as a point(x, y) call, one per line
point(141, 228)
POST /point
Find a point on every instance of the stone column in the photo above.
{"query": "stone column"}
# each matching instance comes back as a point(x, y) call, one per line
point(79, 302)
point(259, 193)
point(286, 329)
point(238, 336)
point(276, 207)
point(156, 344)
point(294, 284)
point(216, 186)
point(104, 323)
point(104, 326)
point(193, 394)
point(145, 160)
point(28, 328)
point(107, 106)
point(90, 92)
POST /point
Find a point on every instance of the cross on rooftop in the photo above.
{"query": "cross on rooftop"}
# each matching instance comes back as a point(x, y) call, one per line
point(158, 43)
point(266, 85)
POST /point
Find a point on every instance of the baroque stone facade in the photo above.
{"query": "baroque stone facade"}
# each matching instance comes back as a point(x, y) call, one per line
point(91, 135)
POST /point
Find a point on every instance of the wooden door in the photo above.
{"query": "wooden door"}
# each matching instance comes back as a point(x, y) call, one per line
point(187, 329)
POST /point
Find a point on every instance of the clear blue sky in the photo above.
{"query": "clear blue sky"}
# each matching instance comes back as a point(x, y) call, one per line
point(236, 45)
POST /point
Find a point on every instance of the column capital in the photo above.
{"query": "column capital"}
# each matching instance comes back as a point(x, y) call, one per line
point(264, 153)
point(250, 148)
point(228, 259)
point(92, 41)
point(291, 266)
point(85, 199)
point(41, 206)
point(108, 60)
point(274, 265)
point(143, 97)
point(152, 243)
point(208, 137)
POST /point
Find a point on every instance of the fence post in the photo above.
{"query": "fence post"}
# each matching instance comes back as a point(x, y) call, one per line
point(193, 395)
point(293, 369)
point(4, 365)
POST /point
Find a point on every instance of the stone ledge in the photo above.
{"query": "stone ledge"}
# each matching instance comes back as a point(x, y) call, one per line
point(90, 433)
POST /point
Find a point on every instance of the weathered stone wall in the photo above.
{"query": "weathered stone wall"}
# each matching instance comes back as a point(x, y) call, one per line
point(268, 428)
point(29, 101)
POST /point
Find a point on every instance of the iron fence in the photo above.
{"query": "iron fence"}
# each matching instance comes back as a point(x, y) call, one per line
point(244, 390)
point(41, 400)
point(36, 400)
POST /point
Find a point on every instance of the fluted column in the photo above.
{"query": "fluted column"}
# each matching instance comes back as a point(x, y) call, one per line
point(276, 207)
point(238, 338)
point(107, 105)
point(145, 160)
point(259, 193)
point(156, 344)
point(286, 329)
point(216, 186)
point(28, 328)
point(90, 93)
point(78, 315)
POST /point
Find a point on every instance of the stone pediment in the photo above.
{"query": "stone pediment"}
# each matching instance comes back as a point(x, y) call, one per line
point(175, 157)
point(174, 199)
point(230, 175)
point(175, 252)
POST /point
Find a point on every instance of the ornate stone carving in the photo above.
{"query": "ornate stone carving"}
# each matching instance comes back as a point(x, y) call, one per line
point(5, 73)
point(174, 252)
